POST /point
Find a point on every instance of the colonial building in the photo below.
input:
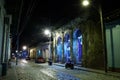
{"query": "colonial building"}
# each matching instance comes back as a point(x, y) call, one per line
point(81, 40)
point(5, 41)
point(113, 40)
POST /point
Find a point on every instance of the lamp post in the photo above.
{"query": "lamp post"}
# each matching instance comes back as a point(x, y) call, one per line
point(48, 32)
point(16, 57)
point(86, 3)
point(17, 51)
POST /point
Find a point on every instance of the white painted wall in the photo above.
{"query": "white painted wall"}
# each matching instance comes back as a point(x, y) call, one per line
point(113, 46)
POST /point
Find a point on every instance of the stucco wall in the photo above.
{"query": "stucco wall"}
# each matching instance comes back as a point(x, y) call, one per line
point(113, 44)
point(1, 32)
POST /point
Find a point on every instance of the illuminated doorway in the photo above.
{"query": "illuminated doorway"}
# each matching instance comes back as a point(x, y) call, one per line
point(77, 46)
point(59, 49)
point(66, 47)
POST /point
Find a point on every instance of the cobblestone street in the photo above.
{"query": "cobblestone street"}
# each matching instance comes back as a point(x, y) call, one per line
point(32, 71)
point(28, 70)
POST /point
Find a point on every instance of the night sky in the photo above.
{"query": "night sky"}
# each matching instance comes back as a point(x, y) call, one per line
point(37, 15)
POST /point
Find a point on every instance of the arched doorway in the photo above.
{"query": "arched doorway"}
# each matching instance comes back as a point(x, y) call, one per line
point(59, 50)
point(77, 46)
point(24, 54)
point(66, 47)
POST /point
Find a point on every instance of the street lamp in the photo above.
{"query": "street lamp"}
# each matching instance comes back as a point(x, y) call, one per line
point(48, 32)
point(24, 47)
point(17, 56)
point(86, 3)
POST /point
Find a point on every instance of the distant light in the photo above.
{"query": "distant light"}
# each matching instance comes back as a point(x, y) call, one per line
point(12, 53)
point(47, 32)
point(24, 47)
point(39, 51)
point(85, 3)
point(16, 51)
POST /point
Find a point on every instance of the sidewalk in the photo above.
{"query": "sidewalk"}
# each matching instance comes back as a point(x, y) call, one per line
point(11, 73)
point(116, 74)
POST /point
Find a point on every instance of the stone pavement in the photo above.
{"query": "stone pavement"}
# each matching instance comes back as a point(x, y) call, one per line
point(68, 74)
point(19, 72)
point(13, 74)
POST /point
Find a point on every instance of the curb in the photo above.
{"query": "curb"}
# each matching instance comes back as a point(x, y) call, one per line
point(115, 74)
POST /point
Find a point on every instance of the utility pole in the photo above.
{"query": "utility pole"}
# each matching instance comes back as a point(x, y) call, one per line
point(103, 38)
point(18, 35)
point(99, 10)
point(17, 49)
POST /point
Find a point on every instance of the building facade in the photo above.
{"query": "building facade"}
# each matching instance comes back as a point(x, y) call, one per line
point(81, 40)
point(83, 44)
point(113, 44)
point(5, 41)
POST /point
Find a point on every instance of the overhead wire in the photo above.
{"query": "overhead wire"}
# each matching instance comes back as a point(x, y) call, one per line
point(19, 17)
point(28, 15)
point(16, 8)
point(18, 24)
